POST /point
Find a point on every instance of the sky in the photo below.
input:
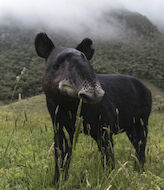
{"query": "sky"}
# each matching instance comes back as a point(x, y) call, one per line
point(73, 15)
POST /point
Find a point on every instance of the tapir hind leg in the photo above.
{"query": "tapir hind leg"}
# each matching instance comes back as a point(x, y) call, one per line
point(138, 137)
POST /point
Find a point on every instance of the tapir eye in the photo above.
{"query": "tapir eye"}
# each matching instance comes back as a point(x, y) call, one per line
point(56, 66)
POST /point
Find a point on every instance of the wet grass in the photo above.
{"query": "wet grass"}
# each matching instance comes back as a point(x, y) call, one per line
point(27, 161)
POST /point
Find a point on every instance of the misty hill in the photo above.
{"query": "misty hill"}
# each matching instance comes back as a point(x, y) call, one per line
point(135, 23)
point(138, 50)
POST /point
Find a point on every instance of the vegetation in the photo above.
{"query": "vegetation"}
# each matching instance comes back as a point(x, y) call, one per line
point(26, 135)
point(16, 53)
point(139, 51)
point(27, 160)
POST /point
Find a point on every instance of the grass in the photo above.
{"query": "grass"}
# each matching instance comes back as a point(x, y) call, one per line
point(158, 96)
point(27, 161)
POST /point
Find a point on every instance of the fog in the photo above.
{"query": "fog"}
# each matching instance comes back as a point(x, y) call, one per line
point(153, 9)
point(79, 17)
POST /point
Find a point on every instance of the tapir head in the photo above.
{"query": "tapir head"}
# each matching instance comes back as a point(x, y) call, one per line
point(68, 73)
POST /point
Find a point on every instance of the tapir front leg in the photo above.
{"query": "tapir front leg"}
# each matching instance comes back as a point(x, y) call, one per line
point(63, 150)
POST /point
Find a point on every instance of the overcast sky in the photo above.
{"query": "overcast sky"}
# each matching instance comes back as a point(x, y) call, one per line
point(74, 14)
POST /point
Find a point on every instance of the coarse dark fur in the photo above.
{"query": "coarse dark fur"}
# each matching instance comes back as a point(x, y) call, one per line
point(111, 103)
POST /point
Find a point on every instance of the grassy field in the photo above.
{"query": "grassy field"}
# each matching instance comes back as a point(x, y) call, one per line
point(27, 162)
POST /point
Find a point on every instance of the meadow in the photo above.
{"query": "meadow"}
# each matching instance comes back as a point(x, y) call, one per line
point(27, 160)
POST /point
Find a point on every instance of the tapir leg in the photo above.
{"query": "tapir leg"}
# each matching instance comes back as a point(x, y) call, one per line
point(105, 145)
point(138, 137)
point(63, 139)
point(63, 150)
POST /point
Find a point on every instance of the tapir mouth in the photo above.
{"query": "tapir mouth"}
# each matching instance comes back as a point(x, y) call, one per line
point(88, 95)
point(87, 98)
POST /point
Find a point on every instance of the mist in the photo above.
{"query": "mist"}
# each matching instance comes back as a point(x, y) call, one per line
point(80, 18)
point(152, 9)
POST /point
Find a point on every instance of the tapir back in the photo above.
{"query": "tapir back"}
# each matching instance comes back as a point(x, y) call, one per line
point(129, 97)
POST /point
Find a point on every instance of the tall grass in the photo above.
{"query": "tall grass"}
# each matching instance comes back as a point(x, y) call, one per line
point(27, 158)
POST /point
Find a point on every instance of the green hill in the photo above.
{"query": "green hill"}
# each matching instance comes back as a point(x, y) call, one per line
point(37, 104)
point(139, 52)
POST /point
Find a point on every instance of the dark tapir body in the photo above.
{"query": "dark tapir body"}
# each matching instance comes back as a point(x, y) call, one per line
point(111, 103)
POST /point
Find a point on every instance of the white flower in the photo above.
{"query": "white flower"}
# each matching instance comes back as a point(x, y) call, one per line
point(23, 70)
point(17, 78)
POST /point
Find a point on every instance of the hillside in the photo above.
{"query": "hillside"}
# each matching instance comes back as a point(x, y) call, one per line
point(139, 52)
point(38, 104)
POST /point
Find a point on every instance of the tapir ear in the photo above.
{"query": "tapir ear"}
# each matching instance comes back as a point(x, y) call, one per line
point(86, 47)
point(43, 45)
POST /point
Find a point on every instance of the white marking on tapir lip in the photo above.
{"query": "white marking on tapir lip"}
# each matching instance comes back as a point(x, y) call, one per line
point(99, 91)
point(91, 94)
point(66, 87)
